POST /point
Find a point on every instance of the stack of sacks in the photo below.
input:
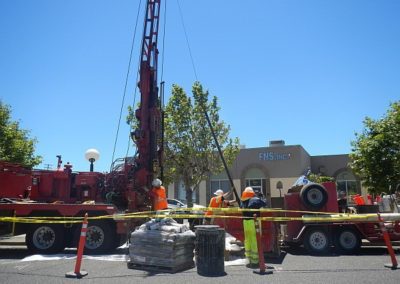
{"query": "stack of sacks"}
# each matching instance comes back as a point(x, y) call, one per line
point(164, 243)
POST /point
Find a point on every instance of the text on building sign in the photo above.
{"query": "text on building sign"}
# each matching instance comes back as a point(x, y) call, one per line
point(273, 156)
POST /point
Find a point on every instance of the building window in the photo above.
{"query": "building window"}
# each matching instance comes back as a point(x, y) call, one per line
point(220, 184)
point(258, 184)
point(347, 182)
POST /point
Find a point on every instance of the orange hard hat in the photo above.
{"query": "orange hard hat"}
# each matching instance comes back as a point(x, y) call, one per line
point(247, 193)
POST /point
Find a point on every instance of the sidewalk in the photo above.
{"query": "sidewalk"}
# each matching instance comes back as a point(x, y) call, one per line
point(12, 240)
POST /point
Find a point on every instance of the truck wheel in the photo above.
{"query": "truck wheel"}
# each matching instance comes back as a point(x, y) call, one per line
point(316, 240)
point(314, 196)
point(347, 241)
point(100, 237)
point(45, 238)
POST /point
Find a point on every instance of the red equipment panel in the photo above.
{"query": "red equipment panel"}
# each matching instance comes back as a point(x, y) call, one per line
point(25, 209)
point(14, 180)
point(234, 226)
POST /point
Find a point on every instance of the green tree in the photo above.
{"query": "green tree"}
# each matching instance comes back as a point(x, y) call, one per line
point(375, 153)
point(190, 150)
point(15, 144)
point(317, 178)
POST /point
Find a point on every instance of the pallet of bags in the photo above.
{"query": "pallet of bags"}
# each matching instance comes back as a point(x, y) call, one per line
point(164, 246)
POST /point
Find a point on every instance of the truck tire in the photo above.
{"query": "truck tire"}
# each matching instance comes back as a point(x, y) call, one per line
point(316, 240)
point(314, 196)
point(100, 237)
point(45, 238)
point(347, 241)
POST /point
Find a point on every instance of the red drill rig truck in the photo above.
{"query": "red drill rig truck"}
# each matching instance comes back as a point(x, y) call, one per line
point(64, 193)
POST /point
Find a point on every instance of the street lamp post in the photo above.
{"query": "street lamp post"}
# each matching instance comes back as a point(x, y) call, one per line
point(92, 155)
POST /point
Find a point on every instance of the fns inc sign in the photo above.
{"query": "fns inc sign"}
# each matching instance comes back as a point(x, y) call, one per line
point(273, 156)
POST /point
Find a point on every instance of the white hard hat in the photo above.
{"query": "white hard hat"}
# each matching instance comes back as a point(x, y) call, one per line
point(157, 182)
point(248, 189)
point(219, 192)
point(247, 193)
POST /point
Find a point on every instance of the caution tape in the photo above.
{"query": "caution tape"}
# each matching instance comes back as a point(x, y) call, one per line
point(309, 216)
point(352, 218)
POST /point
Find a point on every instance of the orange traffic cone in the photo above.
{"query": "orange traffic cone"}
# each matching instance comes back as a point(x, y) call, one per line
point(386, 237)
point(78, 273)
point(261, 260)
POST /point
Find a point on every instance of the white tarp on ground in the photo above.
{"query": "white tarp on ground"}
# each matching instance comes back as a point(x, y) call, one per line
point(52, 257)
point(237, 262)
point(230, 245)
point(112, 257)
point(105, 257)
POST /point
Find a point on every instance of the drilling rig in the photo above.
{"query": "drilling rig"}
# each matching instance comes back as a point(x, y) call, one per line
point(63, 193)
point(130, 177)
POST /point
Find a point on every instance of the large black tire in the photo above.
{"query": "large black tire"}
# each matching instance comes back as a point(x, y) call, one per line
point(45, 238)
point(316, 240)
point(100, 237)
point(347, 241)
point(314, 196)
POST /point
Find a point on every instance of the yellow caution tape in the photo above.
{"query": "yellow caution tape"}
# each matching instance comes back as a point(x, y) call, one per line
point(314, 217)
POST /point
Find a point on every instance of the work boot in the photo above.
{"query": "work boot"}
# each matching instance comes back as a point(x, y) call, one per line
point(252, 265)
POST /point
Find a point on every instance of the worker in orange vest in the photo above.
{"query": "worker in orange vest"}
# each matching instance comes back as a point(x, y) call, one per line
point(158, 195)
point(218, 201)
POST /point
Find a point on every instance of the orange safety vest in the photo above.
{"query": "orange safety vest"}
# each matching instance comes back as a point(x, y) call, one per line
point(159, 198)
point(215, 202)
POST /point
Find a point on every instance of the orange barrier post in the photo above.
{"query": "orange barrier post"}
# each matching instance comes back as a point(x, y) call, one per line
point(78, 273)
point(388, 244)
point(261, 260)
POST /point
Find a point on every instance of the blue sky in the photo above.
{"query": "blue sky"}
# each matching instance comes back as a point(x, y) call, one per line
point(307, 72)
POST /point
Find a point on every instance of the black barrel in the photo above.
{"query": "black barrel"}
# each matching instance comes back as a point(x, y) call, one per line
point(210, 247)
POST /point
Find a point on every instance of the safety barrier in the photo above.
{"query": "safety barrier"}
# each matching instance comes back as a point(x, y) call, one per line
point(217, 213)
point(386, 237)
point(223, 213)
point(261, 260)
point(78, 273)
point(309, 216)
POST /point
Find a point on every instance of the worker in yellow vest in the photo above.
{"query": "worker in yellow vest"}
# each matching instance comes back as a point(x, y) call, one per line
point(250, 201)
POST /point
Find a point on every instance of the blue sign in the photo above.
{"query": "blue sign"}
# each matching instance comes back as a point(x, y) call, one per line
point(273, 156)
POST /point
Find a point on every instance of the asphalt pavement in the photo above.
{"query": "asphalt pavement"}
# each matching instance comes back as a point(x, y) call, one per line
point(293, 266)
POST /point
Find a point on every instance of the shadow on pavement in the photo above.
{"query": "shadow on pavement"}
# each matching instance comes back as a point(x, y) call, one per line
point(370, 250)
point(275, 260)
point(14, 253)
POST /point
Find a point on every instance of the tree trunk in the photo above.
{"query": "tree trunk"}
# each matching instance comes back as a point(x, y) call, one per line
point(189, 195)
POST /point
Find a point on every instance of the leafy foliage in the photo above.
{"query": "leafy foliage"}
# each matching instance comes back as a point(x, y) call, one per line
point(190, 150)
point(319, 178)
point(375, 154)
point(15, 144)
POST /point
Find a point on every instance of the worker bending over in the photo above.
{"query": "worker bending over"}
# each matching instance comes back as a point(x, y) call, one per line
point(218, 201)
point(250, 201)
